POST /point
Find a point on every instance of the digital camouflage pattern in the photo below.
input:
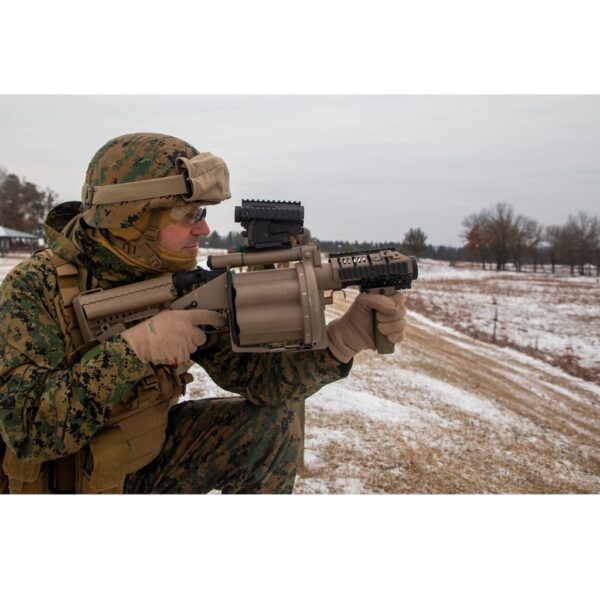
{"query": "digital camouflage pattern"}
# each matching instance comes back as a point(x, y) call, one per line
point(224, 444)
point(133, 157)
point(49, 409)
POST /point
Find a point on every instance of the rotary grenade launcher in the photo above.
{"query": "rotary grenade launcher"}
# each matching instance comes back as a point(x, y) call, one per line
point(268, 310)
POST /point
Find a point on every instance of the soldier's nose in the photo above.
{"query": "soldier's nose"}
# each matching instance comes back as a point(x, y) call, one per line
point(200, 228)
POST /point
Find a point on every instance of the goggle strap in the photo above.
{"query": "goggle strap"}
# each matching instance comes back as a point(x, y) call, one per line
point(145, 189)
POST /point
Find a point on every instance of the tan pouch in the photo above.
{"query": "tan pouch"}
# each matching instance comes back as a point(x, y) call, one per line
point(101, 467)
point(24, 477)
point(144, 424)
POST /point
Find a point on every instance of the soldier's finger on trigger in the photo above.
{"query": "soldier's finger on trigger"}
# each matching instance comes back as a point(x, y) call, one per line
point(198, 337)
point(206, 317)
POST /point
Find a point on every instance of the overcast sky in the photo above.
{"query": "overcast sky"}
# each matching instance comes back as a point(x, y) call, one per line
point(365, 167)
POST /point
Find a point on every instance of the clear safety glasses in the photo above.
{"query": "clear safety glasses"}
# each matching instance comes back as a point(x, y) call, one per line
point(188, 216)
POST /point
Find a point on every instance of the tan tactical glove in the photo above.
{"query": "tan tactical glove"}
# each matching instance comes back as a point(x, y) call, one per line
point(171, 335)
point(354, 330)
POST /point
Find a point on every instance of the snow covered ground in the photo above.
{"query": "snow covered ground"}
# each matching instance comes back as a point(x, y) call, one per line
point(551, 317)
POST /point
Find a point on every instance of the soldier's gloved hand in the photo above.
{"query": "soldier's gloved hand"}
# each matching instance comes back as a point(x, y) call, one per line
point(171, 335)
point(354, 330)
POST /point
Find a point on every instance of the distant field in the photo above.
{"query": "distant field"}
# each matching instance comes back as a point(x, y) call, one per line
point(554, 318)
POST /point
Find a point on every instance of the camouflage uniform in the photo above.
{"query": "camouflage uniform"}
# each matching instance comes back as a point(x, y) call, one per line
point(53, 403)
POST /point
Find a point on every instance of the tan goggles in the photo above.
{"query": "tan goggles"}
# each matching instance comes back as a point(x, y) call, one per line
point(183, 214)
point(203, 178)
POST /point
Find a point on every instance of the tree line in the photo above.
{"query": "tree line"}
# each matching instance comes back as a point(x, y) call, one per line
point(23, 205)
point(497, 236)
point(414, 243)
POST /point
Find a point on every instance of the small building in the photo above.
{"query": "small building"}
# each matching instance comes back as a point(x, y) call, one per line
point(12, 240)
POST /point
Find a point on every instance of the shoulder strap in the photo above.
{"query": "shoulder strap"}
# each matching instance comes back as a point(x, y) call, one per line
point(71, 281)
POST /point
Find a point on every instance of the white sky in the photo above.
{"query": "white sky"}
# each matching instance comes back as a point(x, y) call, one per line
point(365, 167)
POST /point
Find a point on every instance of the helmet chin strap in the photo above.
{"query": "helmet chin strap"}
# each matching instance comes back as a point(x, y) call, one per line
point(144, 251)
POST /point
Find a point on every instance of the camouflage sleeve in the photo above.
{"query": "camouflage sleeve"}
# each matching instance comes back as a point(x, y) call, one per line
point(271, 378)
point(48, 410)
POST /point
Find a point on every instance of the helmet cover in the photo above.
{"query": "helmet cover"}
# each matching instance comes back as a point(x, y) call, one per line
point(136, 157)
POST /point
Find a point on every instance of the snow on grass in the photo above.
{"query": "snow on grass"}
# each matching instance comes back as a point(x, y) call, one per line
point(556, 316)
point(406, 398)
point(436, 390)
point(318, 437)
point(340, 398)
point(438, 269)
point(518, 366)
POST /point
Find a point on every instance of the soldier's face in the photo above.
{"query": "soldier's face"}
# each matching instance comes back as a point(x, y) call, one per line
point(182, 237)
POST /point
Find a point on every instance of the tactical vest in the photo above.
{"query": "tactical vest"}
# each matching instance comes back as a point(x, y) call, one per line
point(132, 437)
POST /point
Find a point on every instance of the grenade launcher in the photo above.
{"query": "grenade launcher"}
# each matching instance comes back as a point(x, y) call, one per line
point(268, 310)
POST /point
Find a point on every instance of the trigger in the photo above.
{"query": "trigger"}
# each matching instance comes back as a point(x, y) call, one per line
point(329, 299)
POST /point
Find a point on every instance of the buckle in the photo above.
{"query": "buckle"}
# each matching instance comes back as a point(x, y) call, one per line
point(88, 195)
point(149, 382)
point(151, 233)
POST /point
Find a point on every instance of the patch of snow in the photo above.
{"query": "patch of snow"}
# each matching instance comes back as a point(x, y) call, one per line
point(313, 485)
point(202, 386)
point(349, 486)
point(344, 437)
point(437, 390)
point(337, 398)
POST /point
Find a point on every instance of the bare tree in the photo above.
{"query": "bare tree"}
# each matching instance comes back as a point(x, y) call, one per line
point(517, 240)
point(597, 253)
point(500, 229)
point(568, 244)
point(533, 233)
point(474, 234)
point(585, 232)
point(553, 236)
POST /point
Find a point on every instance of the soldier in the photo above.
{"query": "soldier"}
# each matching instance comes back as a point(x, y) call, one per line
point(105, 417)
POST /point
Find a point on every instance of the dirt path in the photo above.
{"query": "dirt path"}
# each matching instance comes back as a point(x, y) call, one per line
point(446, 414)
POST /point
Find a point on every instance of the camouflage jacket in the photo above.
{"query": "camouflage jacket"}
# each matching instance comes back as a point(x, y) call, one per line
point(49, 409)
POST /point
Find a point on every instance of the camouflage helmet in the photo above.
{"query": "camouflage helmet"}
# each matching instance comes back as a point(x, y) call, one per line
point(173, 173)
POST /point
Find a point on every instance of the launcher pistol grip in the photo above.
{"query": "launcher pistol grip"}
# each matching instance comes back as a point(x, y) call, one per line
point(382, 344)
